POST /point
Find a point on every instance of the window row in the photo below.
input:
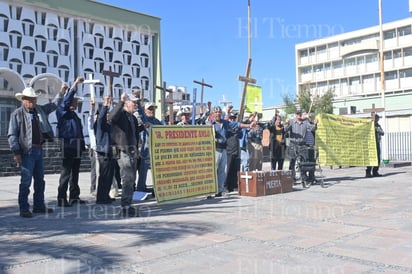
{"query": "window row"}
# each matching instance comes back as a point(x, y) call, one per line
point(389, 34)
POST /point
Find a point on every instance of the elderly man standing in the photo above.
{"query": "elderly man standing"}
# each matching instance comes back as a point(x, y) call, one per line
point(298, 129)
point(71, 131)
point(125, 136)
point(28, 130)
point(222, 128)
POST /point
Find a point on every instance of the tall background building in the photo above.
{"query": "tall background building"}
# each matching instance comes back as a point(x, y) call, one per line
point(46, 42)
point(349, 65)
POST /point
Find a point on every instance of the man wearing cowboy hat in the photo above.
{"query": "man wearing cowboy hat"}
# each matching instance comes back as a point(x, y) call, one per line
point(28, 130)
point(184, 116)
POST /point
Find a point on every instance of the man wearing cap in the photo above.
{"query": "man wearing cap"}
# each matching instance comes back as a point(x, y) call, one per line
point(222, 128)
point(28, 130)
point(125, 135)
point(297, 129)
point(71, 132)
point(148, 119)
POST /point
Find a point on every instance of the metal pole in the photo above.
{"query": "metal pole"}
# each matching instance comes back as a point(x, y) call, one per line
point(249, 50)
point(382, 63)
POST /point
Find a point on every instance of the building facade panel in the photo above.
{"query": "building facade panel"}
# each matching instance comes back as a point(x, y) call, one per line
point(77, 37)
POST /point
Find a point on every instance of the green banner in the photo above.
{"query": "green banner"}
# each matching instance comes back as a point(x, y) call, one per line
point(344, 141)
point(254, 99)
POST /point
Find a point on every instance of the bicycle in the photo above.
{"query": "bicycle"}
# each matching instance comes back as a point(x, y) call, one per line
point(304, 168)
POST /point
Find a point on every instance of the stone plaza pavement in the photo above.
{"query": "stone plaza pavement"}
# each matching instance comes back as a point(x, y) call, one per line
point(354, 225)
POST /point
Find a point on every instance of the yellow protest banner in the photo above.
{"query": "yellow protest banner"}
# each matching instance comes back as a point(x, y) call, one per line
point(182, 161)
point(345, 141)
point(253, 99)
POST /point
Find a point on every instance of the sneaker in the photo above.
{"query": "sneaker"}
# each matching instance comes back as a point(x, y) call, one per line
point(63, 203)
point(26, 214)
point(376, 174)
point(129, 212)
point(43, 210)
point(218, 194)
point(368, 175)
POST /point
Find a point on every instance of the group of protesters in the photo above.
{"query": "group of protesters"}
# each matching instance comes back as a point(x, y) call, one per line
point(119, 146)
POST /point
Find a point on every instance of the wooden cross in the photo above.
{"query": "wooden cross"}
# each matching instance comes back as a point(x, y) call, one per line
point(373, 110)
point(91, 81)
point(246, 177)
point(169, 101)
point(203, 84)
point(111, 74)
point(246, 79)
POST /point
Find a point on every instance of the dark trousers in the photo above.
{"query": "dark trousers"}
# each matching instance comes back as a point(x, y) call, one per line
point(69, 176)
point(117, 173)
point(106, 172)
point(233, 167)
point(375, 168)
point(277, 158)
point(93, 173)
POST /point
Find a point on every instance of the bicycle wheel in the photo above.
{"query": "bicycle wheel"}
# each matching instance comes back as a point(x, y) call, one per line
point(296, 174)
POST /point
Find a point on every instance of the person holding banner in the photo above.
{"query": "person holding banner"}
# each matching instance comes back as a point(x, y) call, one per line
point(378, 134)
point(148, 119)
point(297, 129)
point(221, 128)
point(233, 155)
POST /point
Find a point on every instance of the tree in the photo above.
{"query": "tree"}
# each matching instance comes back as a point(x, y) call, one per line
point(310, 103)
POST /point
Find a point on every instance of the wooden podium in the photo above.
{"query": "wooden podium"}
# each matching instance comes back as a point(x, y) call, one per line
point(261, 183)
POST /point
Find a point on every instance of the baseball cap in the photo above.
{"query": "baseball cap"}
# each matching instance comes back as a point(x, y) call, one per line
point(149, 104)
point(131, 97)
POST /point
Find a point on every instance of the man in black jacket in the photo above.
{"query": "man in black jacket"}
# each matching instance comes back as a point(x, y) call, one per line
point(125, 136)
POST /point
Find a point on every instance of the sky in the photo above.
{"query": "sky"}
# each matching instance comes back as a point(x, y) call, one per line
point(208, 39)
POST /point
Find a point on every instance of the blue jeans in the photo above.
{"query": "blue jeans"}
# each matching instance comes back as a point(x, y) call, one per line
point(221, 164)
point(32, 167)
point(244, 157)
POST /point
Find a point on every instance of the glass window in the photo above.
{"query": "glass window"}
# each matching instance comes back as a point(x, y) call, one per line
point(64, 47)
point(350, 62)
point(389, 34)
point(391, 75)
point(404, 31)
point(303, 53)
point(52, 57)
point(118, 45)
point(387, 55)
point(88, 51)
point(337, 64)
point(4, 52)
point(28, 55)
point(371, 58)
point(407, 52)
point(405, 73)
point(40, 43)
point(15, 39)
